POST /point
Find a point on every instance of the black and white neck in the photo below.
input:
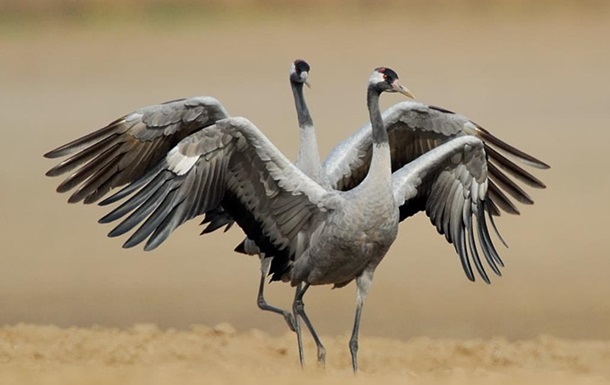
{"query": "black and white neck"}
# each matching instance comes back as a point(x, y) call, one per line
point(308, 159)
point(380, 135)
point(299, 75)
point(381, 80)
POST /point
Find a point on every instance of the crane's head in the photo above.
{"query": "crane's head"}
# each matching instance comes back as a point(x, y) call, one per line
point(384, 79)
point(299, 72)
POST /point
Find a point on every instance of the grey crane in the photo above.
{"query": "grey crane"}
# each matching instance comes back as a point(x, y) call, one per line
point(308, 160)
point(131, 145)
point(121, 153)
point(415, 128)
point(288, 213)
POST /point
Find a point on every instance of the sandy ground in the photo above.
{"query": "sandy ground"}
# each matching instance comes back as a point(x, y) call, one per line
point(144, 354)
point(540, 81)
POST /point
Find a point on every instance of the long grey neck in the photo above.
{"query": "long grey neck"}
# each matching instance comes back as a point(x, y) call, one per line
point(308, 159)
point(299, 100)
point(380, 135)
point(380, 172)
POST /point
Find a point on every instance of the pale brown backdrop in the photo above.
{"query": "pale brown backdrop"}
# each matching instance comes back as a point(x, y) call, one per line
point(537, 78)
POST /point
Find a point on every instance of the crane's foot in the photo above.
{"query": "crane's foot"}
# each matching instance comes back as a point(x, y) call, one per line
point(322, 357)
point(353, 349)
point(298, 308)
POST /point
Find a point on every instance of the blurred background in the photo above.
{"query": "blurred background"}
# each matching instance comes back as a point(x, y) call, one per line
point(536, 74)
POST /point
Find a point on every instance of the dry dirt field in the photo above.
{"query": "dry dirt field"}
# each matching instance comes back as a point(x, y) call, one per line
point(144, 354)
point(538, 79)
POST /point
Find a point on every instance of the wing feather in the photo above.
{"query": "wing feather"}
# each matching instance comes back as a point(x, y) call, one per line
point(108, 132)
point(415, 128)
point(513, 169)
point(215, 219)
point(451, 181)
point(127, 148)
point(508, 185)
point(486, 136)
point(231, 168)
point(82, 174)
point(81, 158)
point(499, 198)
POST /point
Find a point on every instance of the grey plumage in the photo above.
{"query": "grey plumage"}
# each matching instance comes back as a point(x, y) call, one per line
point(127, 148)
point(415, 128)
point(308, 161)
point(230, 160)
point(442, 164)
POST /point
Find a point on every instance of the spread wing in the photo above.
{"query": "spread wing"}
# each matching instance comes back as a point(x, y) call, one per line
point(232, 165)
point(415, 128)
point(451, 183)
point(130, 146)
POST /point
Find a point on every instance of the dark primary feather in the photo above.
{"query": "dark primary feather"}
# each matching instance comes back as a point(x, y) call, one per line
point(216, 219)
point(131, 149)
point(127, 148)
point(451, 189)
point(414, 129)
point(486, 136)
point(221, 169)
point(513, 169)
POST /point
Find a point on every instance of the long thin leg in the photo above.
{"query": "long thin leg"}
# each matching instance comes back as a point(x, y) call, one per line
point(297, 325)
point(299, 311)
point(262, 303)
point(353, 342)
point(364, 284)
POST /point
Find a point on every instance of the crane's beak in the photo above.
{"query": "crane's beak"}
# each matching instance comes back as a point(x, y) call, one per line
point(305, 75)
point(403, 90)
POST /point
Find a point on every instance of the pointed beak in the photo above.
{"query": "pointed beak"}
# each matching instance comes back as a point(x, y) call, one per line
point(305, 75)
point(403, 90)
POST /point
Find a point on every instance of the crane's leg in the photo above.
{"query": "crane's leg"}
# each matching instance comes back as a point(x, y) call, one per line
point(299, 310)
point(298, 328)
point(262, 303)
point(364, 284)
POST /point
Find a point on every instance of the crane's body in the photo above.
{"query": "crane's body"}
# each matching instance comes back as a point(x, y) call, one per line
point(327, 224)
point(354, 236)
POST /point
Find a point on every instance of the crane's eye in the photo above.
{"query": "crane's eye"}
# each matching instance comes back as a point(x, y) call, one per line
point(385, 77)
